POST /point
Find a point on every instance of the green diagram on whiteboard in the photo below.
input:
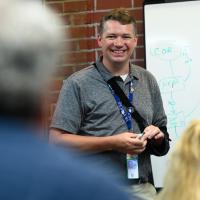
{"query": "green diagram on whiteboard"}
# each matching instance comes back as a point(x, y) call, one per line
point(175, 82)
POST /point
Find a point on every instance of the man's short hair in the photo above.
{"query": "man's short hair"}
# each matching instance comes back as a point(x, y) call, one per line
point(121, 15)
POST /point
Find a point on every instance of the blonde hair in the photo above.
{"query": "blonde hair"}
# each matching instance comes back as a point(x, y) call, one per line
point(182, 180)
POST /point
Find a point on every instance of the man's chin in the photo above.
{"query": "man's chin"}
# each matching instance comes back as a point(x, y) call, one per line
point(118, 60)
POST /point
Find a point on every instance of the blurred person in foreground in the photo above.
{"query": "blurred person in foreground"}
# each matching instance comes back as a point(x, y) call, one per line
point(29, 168)
point(182, 181)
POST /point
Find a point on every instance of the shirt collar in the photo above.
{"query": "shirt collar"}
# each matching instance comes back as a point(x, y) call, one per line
point(134, 74)
point(106, 75)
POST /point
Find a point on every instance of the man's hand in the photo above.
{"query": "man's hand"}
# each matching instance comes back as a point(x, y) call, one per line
point(129, 143)
point(153, 132)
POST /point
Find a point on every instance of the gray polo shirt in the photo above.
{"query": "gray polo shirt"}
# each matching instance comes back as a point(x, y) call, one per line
point(87, 107)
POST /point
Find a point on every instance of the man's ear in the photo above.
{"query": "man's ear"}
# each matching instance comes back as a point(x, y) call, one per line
point(99, 40)
point(135, 41)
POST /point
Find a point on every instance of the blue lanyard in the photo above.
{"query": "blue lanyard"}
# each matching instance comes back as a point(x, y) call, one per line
point(126, 114)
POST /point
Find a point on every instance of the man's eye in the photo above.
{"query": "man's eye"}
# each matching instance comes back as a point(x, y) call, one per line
point(111, 36)
point(127, 37)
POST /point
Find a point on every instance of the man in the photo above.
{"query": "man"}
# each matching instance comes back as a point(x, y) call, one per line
point(92, 117)
point(30, 40)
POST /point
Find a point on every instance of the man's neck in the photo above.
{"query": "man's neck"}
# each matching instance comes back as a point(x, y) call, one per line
point(117, 69)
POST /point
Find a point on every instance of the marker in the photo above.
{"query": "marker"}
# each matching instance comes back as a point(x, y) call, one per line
point(140, 135)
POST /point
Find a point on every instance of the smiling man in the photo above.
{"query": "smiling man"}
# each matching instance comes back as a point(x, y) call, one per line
point(117, 42)
point(92, 117)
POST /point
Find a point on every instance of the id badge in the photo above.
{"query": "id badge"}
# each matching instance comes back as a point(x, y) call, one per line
point(132, 166)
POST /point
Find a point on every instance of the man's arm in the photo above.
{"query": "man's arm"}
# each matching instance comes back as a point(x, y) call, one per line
point(83, 143)
point(125, 142)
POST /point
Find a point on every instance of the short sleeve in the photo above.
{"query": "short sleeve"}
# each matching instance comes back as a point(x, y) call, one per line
point(68, 112)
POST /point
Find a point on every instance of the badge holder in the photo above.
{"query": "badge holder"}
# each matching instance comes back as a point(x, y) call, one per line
point(132, 166)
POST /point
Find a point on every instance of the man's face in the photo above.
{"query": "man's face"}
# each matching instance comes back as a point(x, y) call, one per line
point(117, 42)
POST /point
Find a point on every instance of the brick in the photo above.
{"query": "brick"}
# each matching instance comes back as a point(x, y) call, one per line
point(95, 17)
point(137, 14)
point(89, 18)
point(88, 44)
point(53, 0)
point(138, 3)
point(76, 19)
point(79, 57)
point(140, 28)
point(64, 71)
point(55, 85)
point(77, 45)
point(90, 4)
point(75, 6)
point(66, 19)
point(139, 53)
point(140, 41)
point(79, 19)
point(71, 45)
point(80, 32)
point(106, 4)
point(139, 63)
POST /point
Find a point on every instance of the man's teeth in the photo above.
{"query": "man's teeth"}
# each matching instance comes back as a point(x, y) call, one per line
point(118, 51)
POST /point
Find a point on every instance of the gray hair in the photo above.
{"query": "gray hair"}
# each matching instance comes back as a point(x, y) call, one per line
point(30, 42)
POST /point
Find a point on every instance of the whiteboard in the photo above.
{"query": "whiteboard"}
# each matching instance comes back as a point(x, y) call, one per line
point(172, 47)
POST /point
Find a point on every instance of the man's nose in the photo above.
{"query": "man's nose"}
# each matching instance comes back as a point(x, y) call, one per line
point(118, 41)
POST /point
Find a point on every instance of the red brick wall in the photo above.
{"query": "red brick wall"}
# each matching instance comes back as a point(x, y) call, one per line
point(81, 18)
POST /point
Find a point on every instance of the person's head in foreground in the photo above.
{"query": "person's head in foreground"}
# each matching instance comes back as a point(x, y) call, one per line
point(29, 45)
